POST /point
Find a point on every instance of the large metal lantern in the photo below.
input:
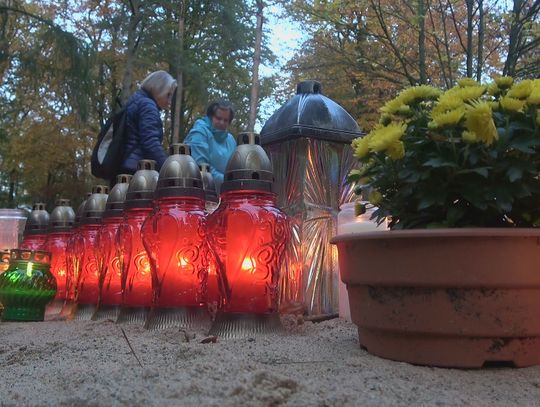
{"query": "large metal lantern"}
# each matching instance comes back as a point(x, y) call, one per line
point(308, 140)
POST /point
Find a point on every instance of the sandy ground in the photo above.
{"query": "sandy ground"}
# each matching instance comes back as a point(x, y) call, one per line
point(314, 364)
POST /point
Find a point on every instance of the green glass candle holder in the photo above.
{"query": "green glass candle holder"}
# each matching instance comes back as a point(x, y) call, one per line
point(27, 286)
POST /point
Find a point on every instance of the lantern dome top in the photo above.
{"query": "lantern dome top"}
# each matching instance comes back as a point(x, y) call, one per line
point(115, 201)
point(180, 175)
point(95, 205)
point(249, 167)
point(142, 186)
point(310, 114)
point(62, 216)
point(38, 220)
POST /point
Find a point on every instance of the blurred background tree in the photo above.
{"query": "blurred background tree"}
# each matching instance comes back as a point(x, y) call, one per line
point(65, 66)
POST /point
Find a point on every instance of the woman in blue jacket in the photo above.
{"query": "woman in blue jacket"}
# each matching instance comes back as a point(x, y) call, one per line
point(144, 124)
point(210, 141)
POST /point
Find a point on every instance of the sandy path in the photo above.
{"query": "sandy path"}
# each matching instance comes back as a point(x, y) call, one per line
point(87, 363)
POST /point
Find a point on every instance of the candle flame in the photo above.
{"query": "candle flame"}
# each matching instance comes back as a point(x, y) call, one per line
point(29, 268)
point(248, 265)
point(183, 262)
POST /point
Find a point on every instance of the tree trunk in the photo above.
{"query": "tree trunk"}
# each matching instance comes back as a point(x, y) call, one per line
point(480, 55)
point(422, 41)
point(134, 21)
point(256, 63)
point(178, 108)
point(470, 15)
point(513, 40)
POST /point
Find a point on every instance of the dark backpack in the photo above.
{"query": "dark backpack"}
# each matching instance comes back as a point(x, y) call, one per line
point(108, 153)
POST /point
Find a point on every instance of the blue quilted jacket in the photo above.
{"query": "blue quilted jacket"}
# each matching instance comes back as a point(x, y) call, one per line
point(145, 132)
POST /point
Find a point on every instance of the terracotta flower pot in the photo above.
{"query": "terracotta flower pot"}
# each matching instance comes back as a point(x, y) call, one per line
point(445, 297)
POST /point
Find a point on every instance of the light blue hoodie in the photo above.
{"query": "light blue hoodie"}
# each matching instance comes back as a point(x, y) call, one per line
point(211, 146)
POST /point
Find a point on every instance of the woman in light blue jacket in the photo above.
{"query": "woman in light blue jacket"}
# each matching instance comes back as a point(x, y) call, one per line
point(210, 141)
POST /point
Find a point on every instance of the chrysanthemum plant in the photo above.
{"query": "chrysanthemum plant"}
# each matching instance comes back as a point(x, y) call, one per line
point(468, 157)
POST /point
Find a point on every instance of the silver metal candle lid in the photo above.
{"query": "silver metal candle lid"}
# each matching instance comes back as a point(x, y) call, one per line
point(95, 205)
point(142, 186)
point(249, 167)
point(38, 220)
point(115, 201)
point(62, 216)
point(180, 176)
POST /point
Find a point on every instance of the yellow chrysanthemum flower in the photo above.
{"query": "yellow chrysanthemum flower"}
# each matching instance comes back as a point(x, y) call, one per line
point(469, 137)
point(381, 138)
point(467, 93)
point(479, 119)
point(405, 111)
point(396, 150)
point(464, 82)
point(495, 105)
point(449, 118)
point(493, 89)
point(360, 147)
point(375, 197)
point(416, 93)
point(534, 97)
point(521, 90)
point(392, 106)
point(511, 104)
point(504, 82)
point(446, 102)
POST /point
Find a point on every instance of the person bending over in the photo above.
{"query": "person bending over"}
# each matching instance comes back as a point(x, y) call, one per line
point(144, 125)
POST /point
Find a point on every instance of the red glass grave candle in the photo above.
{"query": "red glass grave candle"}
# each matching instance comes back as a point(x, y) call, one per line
point(110, 281)
point(134, 261)
point(87, 291)
point(60, 231)
point(35, 230)
point(248, 233)
point(74, 248)
point(175, 238)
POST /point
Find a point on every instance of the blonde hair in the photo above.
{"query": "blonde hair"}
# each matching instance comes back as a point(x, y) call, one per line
point(158, 83)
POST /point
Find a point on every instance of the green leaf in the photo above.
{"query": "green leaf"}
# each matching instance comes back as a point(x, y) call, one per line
point(438, 162)
point(454, 214)
point(514, 173)
point(483, 171)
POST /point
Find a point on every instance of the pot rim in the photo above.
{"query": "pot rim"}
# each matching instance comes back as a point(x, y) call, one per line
point(440, 232)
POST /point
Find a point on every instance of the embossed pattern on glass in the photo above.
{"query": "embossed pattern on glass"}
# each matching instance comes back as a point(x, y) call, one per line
point(175, 239)
point(56, 244)
point(108, 261)
point(248, 234)
point(88, 282)
point(134, 261)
